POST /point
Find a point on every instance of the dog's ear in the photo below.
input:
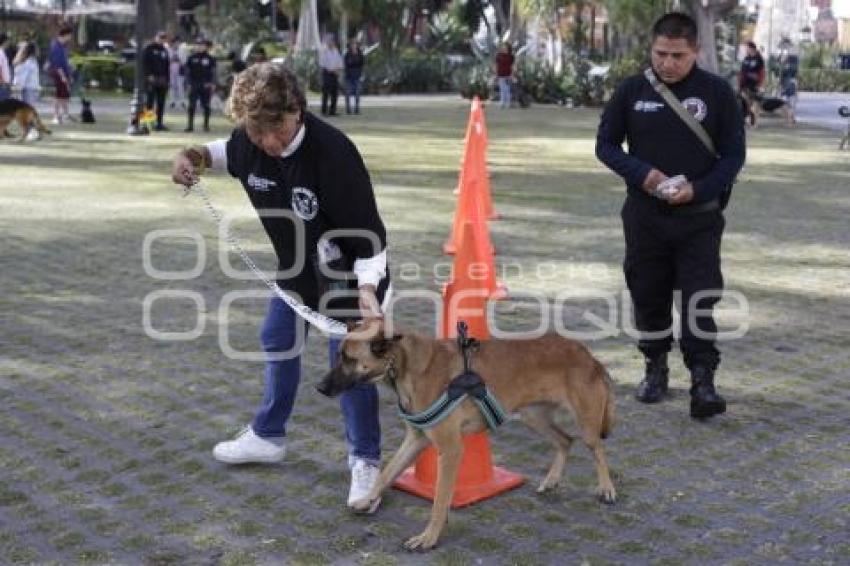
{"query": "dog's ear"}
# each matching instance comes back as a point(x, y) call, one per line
point(380, 346)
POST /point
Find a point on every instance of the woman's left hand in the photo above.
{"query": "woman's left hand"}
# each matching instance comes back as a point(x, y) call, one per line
point(368, 303)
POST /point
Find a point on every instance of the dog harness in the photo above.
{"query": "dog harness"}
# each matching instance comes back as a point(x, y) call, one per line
point(464, 385)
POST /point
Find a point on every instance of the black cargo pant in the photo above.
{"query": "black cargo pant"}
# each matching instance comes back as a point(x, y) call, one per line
point(330, 92)
point(156, 98)
point(198, 92)
point(665, 253)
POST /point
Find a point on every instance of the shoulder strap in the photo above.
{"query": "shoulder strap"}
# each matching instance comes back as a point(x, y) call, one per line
point(680, 110)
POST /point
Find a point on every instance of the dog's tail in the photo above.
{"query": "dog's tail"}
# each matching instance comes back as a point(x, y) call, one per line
point(609, 414)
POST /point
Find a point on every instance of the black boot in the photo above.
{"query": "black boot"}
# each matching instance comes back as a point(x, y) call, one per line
point(705, 402)
point(653, 388)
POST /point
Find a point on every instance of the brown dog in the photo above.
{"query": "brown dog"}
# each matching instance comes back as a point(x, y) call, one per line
point(14, 110)
point(534, 378)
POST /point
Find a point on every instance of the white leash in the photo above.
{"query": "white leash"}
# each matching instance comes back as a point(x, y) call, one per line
point(325, 324)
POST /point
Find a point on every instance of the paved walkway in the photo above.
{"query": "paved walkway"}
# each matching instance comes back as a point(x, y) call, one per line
point(105, 433)
point(821, 109)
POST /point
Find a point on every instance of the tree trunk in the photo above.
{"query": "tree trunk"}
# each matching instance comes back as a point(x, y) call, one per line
point(708, 45)
point(706, 13)
point(502, 23)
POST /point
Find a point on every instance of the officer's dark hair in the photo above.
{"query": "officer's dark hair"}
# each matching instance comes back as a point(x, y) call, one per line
point(263, 94)
point(65, 30)
point(676, 25)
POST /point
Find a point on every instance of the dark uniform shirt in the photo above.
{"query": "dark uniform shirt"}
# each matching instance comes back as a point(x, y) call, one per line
point(658, 138)
point(200, 68)
point(325, 185)
point(354, 63)
point(156, 63)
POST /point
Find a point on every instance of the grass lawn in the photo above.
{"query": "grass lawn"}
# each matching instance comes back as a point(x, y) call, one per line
point(105, 433)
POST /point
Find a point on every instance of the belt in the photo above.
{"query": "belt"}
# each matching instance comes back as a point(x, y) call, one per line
point(688, 209)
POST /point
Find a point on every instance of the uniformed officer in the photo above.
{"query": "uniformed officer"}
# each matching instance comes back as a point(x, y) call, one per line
point(673, 228)
point(156, 63)
point(200, 68)
point(306, 179)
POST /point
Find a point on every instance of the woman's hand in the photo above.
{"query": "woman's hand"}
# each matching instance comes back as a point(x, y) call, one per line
point(368, 303)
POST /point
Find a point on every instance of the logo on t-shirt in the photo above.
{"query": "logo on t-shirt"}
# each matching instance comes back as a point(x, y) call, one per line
point(696, 107)
point(260, 183)
point(648, 106)
point(304, 203)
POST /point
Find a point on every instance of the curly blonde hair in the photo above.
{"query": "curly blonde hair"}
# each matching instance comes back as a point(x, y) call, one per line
point(263, 94)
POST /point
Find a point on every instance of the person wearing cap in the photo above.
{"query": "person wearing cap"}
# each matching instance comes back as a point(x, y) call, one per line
point(200, 68)
point(676, 189)
point(156, 69)
point(305, 177)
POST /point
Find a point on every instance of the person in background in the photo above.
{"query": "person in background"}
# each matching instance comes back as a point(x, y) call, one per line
point(201, 71)
point(176, 80)
point(354, 63)
point(330, 61)
point(752, 72)
point(504, 73)
point(156, 64)
point(60, 73)
point(5, 71)
point(26, 73)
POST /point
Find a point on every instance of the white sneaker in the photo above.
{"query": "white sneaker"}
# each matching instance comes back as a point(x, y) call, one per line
point(363, 478)
point(246, 448)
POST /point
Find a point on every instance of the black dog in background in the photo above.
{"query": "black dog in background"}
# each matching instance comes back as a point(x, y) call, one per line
point(86, 115)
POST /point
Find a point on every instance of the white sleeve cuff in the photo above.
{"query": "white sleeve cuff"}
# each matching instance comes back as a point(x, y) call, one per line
point(371, 270)
point(218, 155)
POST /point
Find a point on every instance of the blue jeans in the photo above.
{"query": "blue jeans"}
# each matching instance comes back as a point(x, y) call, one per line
point(282, 331)
point(505, 91)
point(5, 91)
point(352, 88)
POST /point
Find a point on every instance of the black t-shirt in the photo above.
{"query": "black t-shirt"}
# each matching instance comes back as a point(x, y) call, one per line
point(155, 60)
point(200, 68)
point(752, 70)
point(354, 63)
point(323, 186)
point(657, 137)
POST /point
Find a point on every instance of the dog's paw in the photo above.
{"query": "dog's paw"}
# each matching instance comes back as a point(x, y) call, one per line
point(424, 541)
point(365, 506)
point(607, 495)
point(547, 485)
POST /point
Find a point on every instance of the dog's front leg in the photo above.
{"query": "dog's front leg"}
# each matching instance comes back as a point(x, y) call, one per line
point(414, 442)
point(449, 444)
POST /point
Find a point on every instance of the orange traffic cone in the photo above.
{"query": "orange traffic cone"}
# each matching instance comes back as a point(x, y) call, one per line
point(477, 127)
point(466, 208)
point(482, 265)
point(478, 479)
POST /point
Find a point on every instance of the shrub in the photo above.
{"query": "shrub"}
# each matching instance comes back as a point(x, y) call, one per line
point(824, 80)
point(98, 71)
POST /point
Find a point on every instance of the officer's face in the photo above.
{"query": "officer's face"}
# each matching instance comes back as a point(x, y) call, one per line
point(673, 59)
point(274, 140)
